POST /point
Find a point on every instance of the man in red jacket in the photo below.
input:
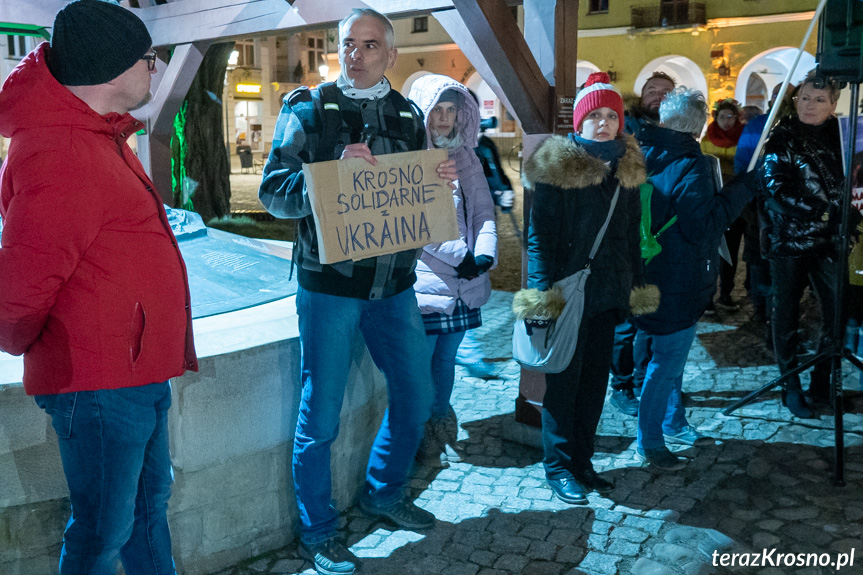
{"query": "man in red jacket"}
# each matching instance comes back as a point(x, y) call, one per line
point(93, 289)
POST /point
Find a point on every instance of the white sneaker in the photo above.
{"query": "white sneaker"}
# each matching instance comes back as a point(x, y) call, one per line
point(689, 436)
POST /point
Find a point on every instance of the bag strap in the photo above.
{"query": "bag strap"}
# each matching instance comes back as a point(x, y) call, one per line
point(667, 225)
point(601, 233)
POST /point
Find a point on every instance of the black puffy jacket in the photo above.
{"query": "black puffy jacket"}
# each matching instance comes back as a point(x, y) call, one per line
point(802, 180)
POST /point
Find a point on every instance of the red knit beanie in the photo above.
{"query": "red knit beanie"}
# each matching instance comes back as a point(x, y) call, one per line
point(597, 93)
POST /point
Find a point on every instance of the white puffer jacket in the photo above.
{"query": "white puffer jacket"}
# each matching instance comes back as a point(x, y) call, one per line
point(437, 286)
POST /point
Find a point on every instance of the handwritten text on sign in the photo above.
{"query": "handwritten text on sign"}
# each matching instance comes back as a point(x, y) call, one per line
point(363, 211)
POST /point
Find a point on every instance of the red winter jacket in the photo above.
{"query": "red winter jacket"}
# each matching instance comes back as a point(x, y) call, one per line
point(93, 289)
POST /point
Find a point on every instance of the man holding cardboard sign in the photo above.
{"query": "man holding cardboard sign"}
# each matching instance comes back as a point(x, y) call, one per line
point(358, 117)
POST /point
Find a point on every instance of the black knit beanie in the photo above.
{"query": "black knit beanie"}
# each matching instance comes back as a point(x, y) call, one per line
point(450, 95)
point(94, 41)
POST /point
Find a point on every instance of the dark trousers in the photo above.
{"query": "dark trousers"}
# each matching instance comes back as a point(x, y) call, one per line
point(733, 235)
point(627, 363)
point(790, 277)
point(759, 286)
point(573, 399)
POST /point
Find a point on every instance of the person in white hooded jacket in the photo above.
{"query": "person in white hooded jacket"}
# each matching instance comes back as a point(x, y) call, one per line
point(452, 280)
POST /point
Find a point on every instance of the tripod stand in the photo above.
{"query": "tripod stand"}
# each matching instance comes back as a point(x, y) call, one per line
point(835, 351)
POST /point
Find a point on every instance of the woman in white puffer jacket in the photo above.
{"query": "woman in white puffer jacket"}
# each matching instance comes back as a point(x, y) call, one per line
point(452, 279)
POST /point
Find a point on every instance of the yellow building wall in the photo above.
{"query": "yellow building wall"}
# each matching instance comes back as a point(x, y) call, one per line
point(627, 54)
point(452, 63)
point(620, 14)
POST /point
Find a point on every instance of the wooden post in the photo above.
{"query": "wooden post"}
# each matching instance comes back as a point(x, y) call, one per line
point(531, 388)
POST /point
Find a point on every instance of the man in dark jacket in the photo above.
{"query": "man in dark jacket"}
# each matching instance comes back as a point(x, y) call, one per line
point(685, 270)
point(373, 297)
point(93, 289)
point(625, 375)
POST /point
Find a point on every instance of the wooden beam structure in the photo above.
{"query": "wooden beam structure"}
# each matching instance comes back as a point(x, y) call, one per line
point(220, 20)
point(36, 13)
point(154, 150)
point(495, 32)
point(566, 63)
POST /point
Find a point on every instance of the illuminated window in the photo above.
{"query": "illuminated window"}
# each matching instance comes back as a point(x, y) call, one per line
point(421, 24)
point(245, 53)
point(315, 53)
point(598, 6)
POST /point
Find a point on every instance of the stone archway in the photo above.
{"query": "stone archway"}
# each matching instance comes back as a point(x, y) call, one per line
point(684, 71)
point(406, 87)
point(490, 105)
point(771, 66)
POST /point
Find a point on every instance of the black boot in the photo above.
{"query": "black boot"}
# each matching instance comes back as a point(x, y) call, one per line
point(796, 403)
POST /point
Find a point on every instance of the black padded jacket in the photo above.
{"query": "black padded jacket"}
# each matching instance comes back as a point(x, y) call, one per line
point(802, 182)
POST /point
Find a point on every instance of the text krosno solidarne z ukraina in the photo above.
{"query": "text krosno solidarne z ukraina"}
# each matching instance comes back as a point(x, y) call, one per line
point(772, 558)
point(383, 191)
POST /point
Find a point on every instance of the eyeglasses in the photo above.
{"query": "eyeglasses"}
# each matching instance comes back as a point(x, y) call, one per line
point(820, 100)
point(151, 60)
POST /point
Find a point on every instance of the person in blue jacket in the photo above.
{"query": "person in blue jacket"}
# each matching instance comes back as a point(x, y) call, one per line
point(757, 268)
point(685, 270)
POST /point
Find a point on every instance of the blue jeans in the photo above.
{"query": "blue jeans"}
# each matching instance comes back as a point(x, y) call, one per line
point(661, 407)
point(394, 334)
point(443, 349)
point(114, 447)
point(470, 350)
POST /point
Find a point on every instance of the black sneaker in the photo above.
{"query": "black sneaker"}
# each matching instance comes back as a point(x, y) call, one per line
point(625, 402)
point(661, 458)
point(401, 512)
point(591, 481)
point(330, 557)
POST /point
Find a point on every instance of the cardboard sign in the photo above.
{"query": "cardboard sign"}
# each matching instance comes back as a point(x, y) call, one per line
point(362, 211)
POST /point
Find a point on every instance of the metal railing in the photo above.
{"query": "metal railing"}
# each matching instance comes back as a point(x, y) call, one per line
point(669, 14)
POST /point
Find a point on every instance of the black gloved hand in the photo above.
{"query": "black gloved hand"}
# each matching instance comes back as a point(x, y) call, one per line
point(483, 263)
point(467, 268)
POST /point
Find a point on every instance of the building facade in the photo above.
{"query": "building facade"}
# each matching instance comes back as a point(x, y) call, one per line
point(726, 48)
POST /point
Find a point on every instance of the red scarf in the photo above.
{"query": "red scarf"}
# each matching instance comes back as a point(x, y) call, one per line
point(722, 138)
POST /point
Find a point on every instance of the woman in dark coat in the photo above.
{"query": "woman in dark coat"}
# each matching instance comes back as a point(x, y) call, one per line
point(802, 177)
point(573, 181)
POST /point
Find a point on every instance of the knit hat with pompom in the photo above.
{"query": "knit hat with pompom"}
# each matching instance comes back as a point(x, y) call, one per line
point(596, 93)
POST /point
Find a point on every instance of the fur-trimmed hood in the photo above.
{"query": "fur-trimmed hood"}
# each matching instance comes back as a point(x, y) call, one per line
point(562, 163)
point(425, 93)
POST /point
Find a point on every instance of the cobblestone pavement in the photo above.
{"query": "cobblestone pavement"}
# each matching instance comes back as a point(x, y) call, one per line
point(764, 485)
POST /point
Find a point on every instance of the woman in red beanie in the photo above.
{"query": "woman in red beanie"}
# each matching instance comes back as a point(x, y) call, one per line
point(574, 182)
point(721, 139)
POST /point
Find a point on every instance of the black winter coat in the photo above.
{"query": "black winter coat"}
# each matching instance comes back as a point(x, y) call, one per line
point(572, 193)
point(802, 180)
point(684, 186)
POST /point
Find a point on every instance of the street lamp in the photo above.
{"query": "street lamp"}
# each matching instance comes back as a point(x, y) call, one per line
point(323, 70)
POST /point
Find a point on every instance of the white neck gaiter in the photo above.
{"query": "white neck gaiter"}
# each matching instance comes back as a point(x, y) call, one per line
point(446, 142)
point(377, 91)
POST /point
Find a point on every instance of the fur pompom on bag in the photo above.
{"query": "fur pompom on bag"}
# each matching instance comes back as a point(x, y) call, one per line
point(644, 300)
point(536, 304)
